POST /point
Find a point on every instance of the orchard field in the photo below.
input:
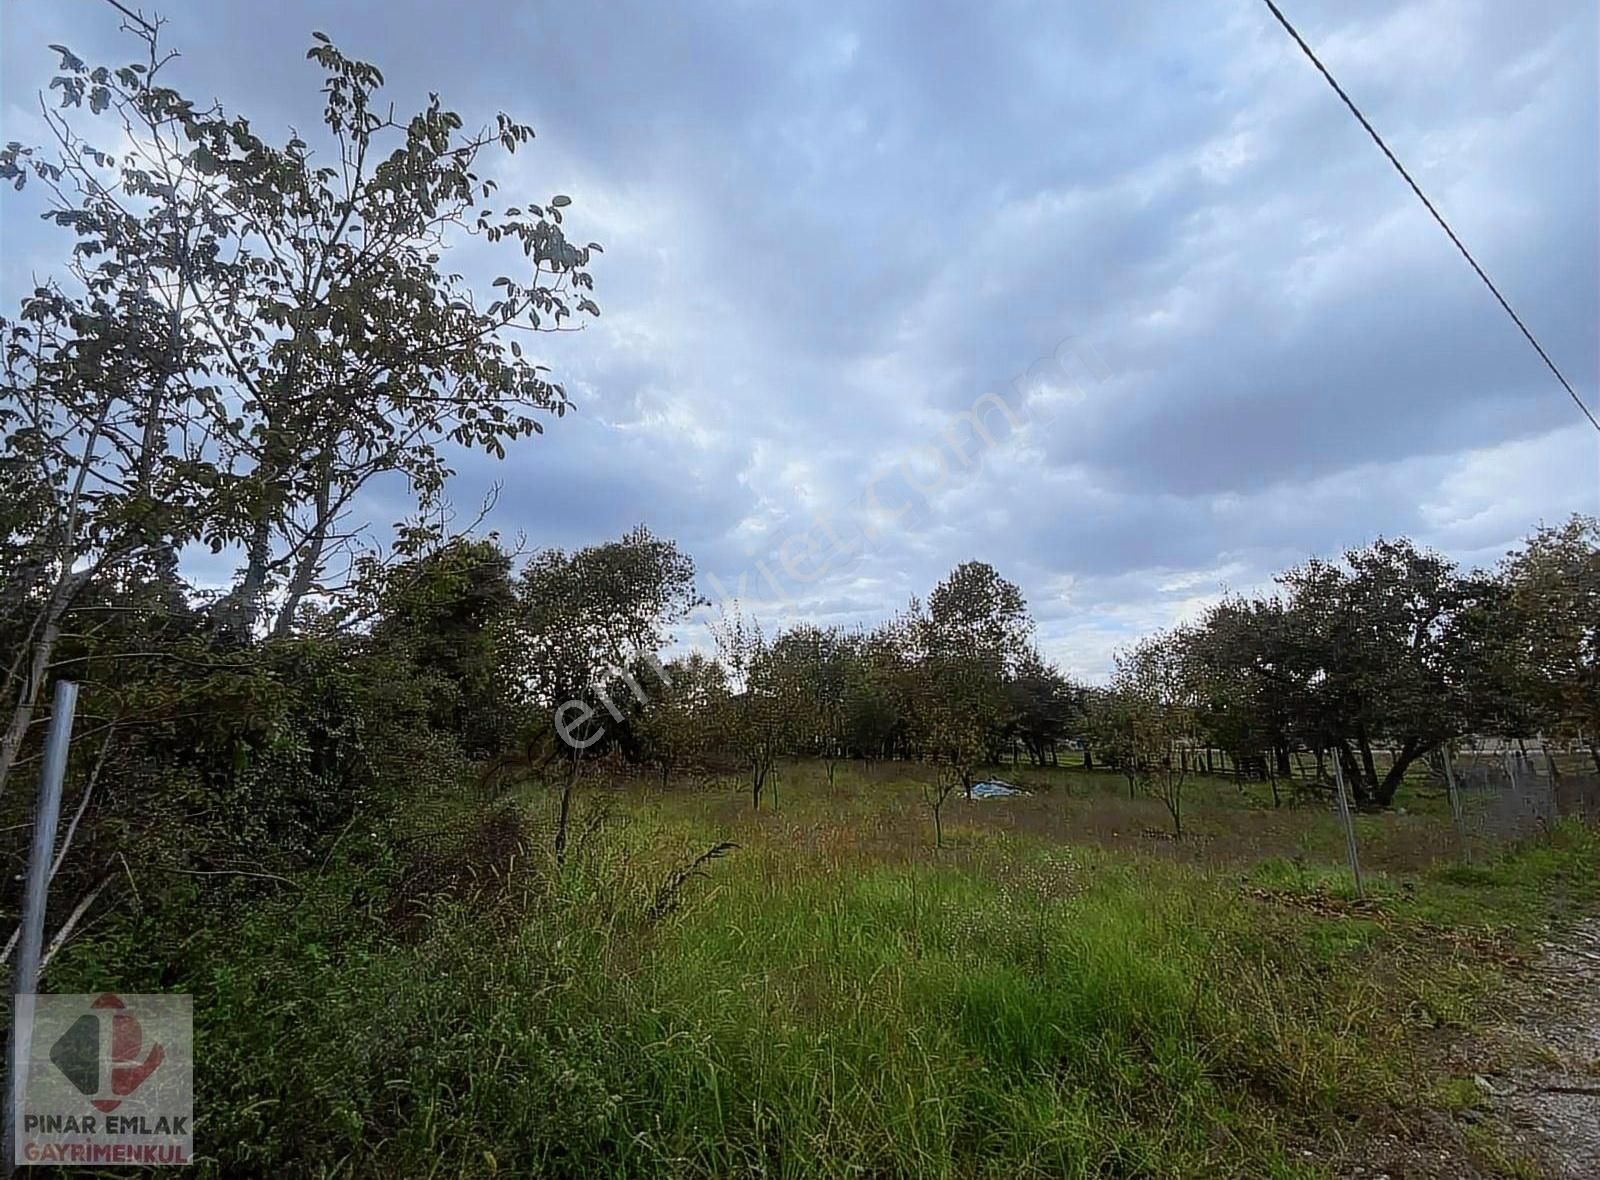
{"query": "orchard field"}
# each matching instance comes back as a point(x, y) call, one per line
point(812, 989)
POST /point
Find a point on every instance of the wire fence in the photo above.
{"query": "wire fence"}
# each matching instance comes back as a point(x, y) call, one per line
point(1500, 796)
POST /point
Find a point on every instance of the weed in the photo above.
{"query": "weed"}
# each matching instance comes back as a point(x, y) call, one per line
point(1046, 996)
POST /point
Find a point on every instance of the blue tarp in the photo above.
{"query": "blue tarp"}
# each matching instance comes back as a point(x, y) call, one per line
point(994, 789)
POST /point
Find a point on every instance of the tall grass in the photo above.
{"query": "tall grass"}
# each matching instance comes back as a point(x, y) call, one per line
point(824, 1002)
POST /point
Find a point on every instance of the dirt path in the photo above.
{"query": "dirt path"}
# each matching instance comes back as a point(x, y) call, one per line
point(1549, 1092)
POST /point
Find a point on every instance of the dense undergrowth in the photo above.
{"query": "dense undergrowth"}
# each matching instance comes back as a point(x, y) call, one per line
point(442, 1000)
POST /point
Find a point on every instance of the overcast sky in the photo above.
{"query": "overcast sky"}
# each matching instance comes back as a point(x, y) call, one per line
point(1225, 334)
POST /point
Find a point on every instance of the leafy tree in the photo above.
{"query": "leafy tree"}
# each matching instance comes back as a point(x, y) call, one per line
point(583, 626)
point(250, 337)
point(976, 612)
point(584, 618)
point(102, 465)
point(1388, 647)
point(1043, 707)
point(444, 612)
point(1249, 698)
point(880, 697)
point(332, 348)
point(816, 665)
point(975, 635)
point(871, 723)
point(685, 723)
point(1553, 621)
point(763, 713)
point(1154, 691)
point(216, 764)
point(1109, 727)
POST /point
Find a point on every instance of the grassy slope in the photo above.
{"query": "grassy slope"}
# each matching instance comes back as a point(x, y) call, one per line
point(1057, 993)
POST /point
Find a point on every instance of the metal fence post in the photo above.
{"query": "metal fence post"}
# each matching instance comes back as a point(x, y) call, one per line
point(1349, 826)
point(25, 974)
point(1456, 815)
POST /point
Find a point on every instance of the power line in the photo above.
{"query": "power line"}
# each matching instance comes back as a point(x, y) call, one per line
point(134, 16)
point(1421, 196)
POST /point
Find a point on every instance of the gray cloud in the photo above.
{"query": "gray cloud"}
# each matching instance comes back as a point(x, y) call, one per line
point(829, 228)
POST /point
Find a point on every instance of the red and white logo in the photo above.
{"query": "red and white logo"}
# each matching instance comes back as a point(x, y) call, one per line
point(109, 1079)
point(106, 1064)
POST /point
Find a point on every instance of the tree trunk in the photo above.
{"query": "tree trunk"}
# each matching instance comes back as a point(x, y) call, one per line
point(1384, 794)
point(55, 609)
point(1282, 752)
point(242, 608)
point(67, 586)
point(566, 810)
point(1368, 766)
point(305, 570)
point(1357, 786)
point(760, 768)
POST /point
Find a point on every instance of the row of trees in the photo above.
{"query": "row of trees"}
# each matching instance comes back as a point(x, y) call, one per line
point(1375, 660)
point(1397, 648)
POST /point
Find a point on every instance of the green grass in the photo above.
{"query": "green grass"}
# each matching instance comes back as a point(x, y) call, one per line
point(1055, 994)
